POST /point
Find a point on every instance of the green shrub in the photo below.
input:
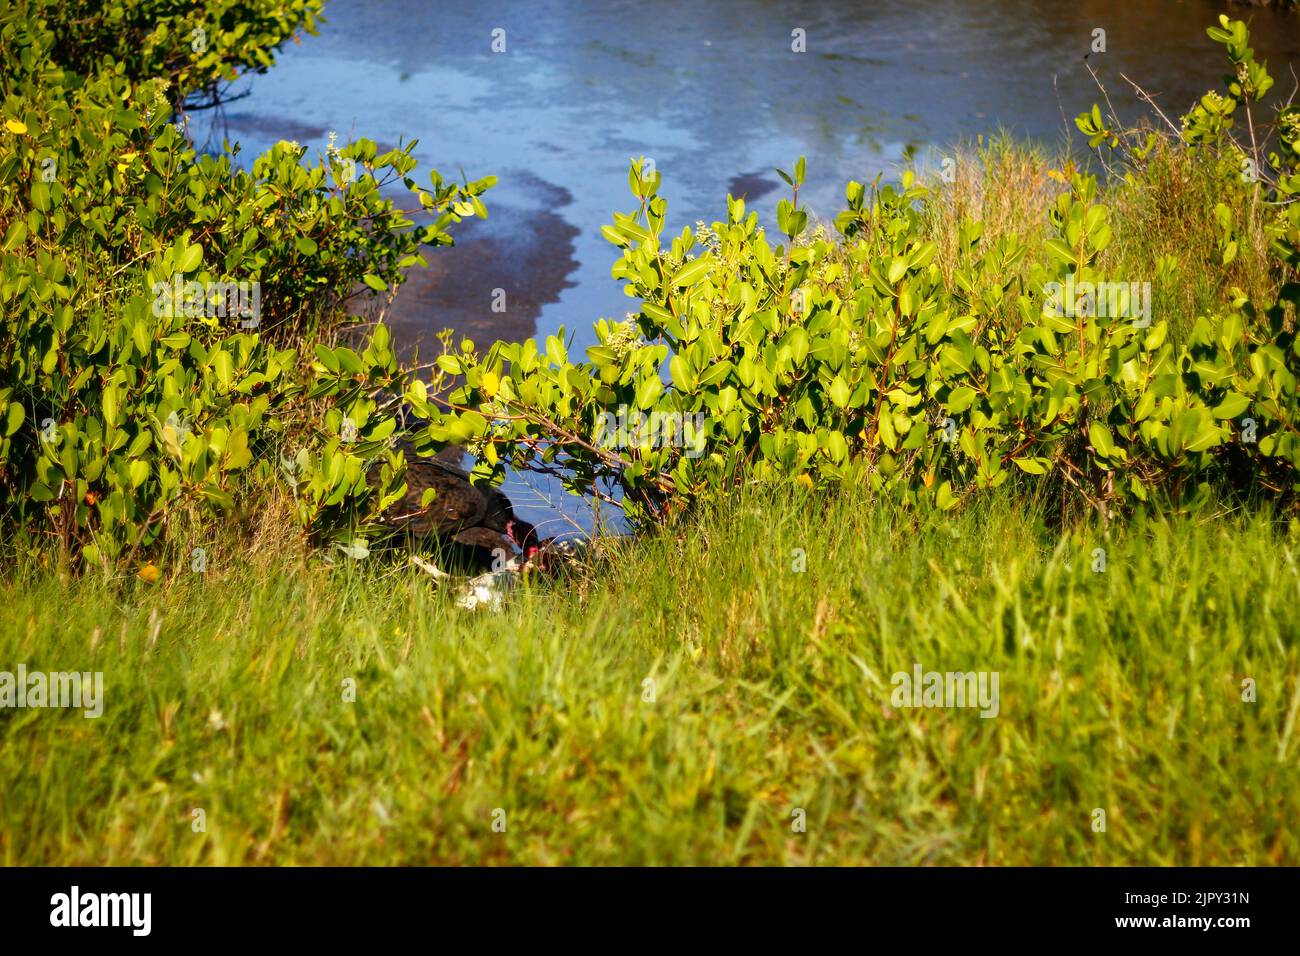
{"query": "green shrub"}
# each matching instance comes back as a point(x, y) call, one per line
point(134, 383)
point(156, 302)
point(859, 361)
point(190, 48)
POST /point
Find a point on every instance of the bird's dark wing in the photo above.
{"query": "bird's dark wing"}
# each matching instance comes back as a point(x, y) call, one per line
point(456, 505)
point(481, 537)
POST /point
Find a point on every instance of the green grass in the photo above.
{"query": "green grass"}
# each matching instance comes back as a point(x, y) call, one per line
point(1010, 185)
point(1120, 690)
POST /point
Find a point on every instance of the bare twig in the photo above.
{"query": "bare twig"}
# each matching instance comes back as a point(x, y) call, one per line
point(1146, 97)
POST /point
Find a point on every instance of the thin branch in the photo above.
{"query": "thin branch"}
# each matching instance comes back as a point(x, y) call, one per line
point(1144, 95)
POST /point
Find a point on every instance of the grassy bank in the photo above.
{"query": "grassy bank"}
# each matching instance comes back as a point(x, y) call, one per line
point(1121, 690)
point(1009, 186)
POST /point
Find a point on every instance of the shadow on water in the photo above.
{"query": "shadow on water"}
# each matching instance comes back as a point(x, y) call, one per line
point(495, 281)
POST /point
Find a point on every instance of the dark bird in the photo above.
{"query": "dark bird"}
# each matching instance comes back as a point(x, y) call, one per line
point(476, 523)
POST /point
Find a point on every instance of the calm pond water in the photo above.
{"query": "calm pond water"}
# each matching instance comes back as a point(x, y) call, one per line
point(714, 93)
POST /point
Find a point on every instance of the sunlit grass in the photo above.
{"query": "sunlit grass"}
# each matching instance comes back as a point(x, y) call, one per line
point(1010, 185)
point(1121, 690)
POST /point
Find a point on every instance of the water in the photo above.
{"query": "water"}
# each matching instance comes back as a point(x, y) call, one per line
point(714, 94)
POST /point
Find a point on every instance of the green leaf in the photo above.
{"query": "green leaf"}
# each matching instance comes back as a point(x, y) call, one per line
point(681, 374)
point(715, 373)
point(839, 392)
point(1033, 466)
point(633, 230)
point(327, 357)
point(190, 259)
point(1101, 439)
point(1233, 404)
point(14, 416)
point(1058, 250)
point(648, 391)
point(223, 366)
point(943, 497)
point(959, 399)
point(798, 339)
point(16, 235)
point(219, 497)
point(691, 273)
